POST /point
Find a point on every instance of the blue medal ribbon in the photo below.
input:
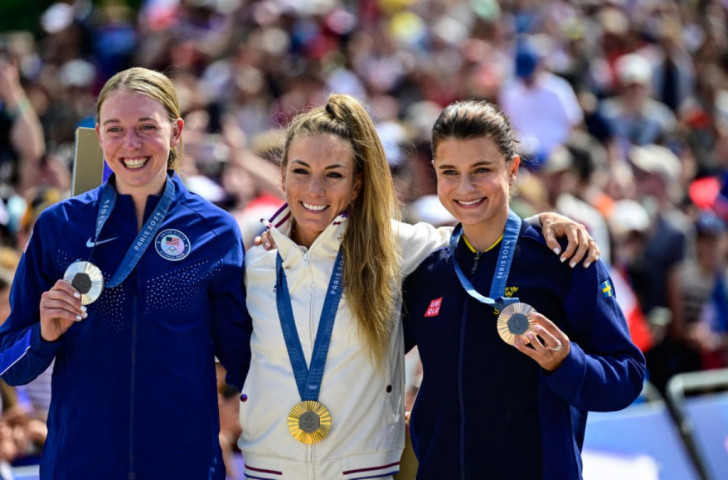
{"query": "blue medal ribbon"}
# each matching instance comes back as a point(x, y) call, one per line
point(308, 379)
point(496, 298)
point(145, 235)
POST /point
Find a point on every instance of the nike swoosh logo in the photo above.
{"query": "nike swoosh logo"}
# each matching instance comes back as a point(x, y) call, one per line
point(91, 244)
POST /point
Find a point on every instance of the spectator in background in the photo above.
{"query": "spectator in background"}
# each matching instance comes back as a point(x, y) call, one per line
point(634, 115)
point(21, 136)
point(563, 183)
point(674, 70)
point(629, 226)
point(542, 106)
point(658, 182)
point(699, 301)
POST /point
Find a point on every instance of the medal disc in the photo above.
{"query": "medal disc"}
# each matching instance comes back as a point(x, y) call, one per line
point(514, 320)
point(87, 279)
point(309, 422)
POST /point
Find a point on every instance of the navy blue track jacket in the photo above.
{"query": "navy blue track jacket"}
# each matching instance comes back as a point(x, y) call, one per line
point(485, 410)
point(134, 389)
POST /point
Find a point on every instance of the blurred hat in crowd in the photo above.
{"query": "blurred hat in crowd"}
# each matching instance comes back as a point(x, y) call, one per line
point(657, 160)
point(633, 68)
point(559, 160)
point(627, 216)
point(613, 20)
point(708, 223)
point(393, 135)
point(527, 58)
point(420, 116)
point(57, 17)
point(77, 73)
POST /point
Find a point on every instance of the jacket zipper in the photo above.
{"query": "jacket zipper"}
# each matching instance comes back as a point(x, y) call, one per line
point(307, 265)
point(460, 388)
point(461, 356)
point(132, 382)
point(475, 263)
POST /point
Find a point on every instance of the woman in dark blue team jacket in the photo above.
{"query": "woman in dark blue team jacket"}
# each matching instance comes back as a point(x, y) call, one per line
point(516, 346)
point(134, 389)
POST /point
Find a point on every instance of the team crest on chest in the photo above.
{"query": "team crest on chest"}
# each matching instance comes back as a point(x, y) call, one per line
point(172, 245)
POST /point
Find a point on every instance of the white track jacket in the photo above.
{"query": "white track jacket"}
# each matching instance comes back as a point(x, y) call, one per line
point(366, 401)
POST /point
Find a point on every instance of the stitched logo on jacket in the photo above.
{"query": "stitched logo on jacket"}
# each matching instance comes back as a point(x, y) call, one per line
point(434, 309)
point(172, 245)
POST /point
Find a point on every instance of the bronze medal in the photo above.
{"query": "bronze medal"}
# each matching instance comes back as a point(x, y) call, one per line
point(515, 319)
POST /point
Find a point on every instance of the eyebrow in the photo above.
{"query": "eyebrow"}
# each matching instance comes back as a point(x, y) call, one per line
point(116, 120)
point(482, 163)
point(327, 167)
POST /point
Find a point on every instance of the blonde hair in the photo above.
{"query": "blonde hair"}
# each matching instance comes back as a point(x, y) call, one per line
point(153, 84)
point(370, 252)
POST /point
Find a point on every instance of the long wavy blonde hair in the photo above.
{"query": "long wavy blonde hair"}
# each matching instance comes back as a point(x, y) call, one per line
point(370, 252)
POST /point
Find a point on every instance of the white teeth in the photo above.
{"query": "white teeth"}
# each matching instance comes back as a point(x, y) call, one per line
point(472, 202)
point(134, 163)
point(315, 208)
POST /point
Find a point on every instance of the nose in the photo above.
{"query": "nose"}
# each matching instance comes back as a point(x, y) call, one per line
point(132, 140)
point(466, 183)
point(317, 185)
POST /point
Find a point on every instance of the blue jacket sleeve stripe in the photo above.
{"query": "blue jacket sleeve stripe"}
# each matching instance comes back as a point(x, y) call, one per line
point(13, 354)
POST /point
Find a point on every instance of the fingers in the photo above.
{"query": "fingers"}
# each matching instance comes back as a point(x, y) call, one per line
point(571, 233)
point(550, 237)
point(593, 254)
point(545, 343)
point(266, 240)
point(581, 247)
point(60, 307)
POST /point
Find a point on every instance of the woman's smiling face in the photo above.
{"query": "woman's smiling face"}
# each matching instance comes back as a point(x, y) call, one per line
point(136, 137)
point(319, 181)
point(474, 179)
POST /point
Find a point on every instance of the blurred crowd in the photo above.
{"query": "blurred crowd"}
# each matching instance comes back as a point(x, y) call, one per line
point(621, 107)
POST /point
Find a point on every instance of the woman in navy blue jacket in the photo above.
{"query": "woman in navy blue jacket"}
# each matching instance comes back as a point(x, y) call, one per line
point(134, 389)
point(516, 346)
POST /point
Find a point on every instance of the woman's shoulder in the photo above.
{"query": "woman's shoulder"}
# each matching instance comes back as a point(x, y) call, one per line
point(71, 209)
point(214, 217)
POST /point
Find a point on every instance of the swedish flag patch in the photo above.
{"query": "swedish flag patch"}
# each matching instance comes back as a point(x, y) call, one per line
point(607, 289)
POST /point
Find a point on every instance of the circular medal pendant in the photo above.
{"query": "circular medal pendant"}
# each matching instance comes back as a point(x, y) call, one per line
point(514, 320)
point(309, 422)
point(87, 279)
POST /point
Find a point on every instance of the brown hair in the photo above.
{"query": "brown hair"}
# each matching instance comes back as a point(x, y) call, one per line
point(472, 119)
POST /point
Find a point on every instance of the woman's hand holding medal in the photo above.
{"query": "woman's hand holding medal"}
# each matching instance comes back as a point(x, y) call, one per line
point(544, 342)
point(60, 307)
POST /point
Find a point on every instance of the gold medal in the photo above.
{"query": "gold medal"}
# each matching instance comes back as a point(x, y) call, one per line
point(87, 279)
point(515, 319)
point(309, 422)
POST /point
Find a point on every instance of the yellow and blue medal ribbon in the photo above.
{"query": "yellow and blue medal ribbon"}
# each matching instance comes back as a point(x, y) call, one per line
point(309, 421)
point(515, 317)
point(496, 298)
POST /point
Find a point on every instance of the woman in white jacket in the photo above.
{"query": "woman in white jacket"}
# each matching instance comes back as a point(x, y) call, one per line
point(323, 399)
